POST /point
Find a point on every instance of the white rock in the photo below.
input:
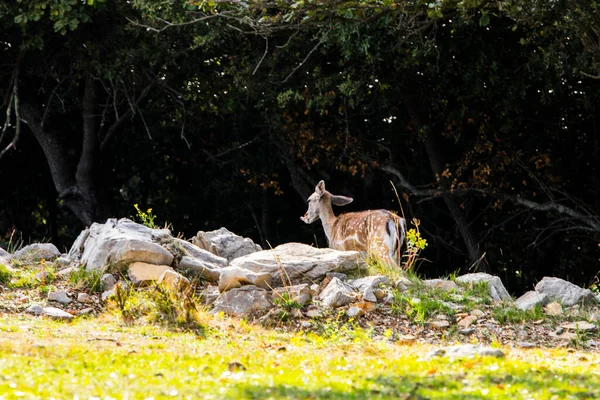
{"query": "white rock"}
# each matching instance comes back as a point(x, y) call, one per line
point(467, 351)
point(209, 271)
point(531, 299)
point(83, 297)
point(402, 284)
point(59, 296)
point(354, 312)
point(337, 294)
point(34, 309)
point(66, 271)
point(299, 263)
point(226, 244)
point(234, 277)
point(553, 309)
point(441, 284)
point(107, 294)
point(141, 273)
point(580, 326)
point(241, 302)
point(56, 313)
point(36, 252)
point(121, 241)
point(497, 290)
point(203, 255)
point(210, 294)
point(368, 285)
point(301, 294)
point(108, 281)
point(174, 280)
point(565, 292)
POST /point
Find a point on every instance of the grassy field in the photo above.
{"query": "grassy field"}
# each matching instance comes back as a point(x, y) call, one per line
point(106, 359)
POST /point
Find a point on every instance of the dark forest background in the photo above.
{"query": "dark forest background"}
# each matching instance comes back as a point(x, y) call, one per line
point(485, 115)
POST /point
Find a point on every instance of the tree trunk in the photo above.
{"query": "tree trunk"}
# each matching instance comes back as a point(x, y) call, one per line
point(435, 161)
point(75, 188)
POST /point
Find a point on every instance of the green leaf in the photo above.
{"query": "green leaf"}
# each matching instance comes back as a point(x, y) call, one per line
point(485, 20)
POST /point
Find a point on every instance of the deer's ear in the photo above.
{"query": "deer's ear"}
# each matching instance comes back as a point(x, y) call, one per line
point(320, 188)
point(341, 200)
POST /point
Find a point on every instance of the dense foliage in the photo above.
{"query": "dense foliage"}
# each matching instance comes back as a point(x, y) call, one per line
point(216, 113)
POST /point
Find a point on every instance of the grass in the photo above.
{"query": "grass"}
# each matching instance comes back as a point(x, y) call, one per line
point(25, 277)
point(40, 358)
point(91, 281)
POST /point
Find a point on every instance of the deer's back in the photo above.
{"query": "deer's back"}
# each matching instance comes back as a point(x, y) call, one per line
point(359, 230)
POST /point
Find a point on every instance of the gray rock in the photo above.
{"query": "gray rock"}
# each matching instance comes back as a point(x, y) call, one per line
point(83, 297)
point(355, 312)
point(34, 309)
point(553, 309)
point(209, 271)
point(36, 252)
point(204, 255)
point(441, 284)
point(141, 273)
point(497, 290)
point(338, 294)
point(564, 292)
point(301, 294)
point(580, 326)
point(440, 324)
point(108, 281)
point(41, 276)
point(244, 301)
point(402, 284)
point(467, 351)
point(315, 313)
point(368, 285)
point(531, 299)
point(341, 276)
point(467, 331)
point(66, 271)
point(107, 294)
point(235, 277)
point(210, 295)
point(226, 244)
point(122, 241)
point(56, 313)
point(85, 311)
point(299, 263)
point(4, 254)
point(63, 261)
point(59, 296)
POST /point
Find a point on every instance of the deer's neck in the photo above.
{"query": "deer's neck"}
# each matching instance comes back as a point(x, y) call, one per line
point(327, 218)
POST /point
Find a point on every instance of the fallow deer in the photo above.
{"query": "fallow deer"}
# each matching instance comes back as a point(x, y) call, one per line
point(379, 232)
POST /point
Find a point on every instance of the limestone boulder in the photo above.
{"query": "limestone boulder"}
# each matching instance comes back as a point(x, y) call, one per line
point(5, 257)
point(209, 271)
point(566, 293)
point(36, 252)
point(299, 263)
point(243, 302)
point(338, 294)
point(301, 294)
point(120, 241)
point(497, 290)
point(173, 280)
point(225, 244)
point(531, 299)
point(235, 277)
point(141, 273)
point(193, 251)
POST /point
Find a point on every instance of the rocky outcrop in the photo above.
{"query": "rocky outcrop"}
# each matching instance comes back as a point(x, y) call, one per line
point(370, 287)
point(294, 263)
point(225, 244)
point(337, 294)
point(207, 270)
point(564, 292)
point(234, 277)
point(531, 299)
point(141, 273)
point(122, 241)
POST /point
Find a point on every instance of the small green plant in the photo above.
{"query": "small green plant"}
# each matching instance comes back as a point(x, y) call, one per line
point(414, 245)
point(83, 279)
point(146, 217)
point(418, 308)
point(286, 301)
point(5, 274)
point(25, 277)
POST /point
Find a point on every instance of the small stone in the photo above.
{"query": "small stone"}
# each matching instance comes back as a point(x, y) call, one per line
point(467, 331)
point(531, 299)
point(467, 351)
point(594, 317)
point(59, 296)
point(173, 280)
point(314, 313)
point(402, 284)
point(41, 276)
point(85, 311)
point(83, 297)
point(478, 313)
point(23, 299)
point(296, 313)
point(341, 276)
point(107, 294)
point(354, 312)
point(406, 339)
point(467, 321)
point(108, 281)
point(553, 309)
point(441, 324)
point(306, 324)
point(210, 295)
point(315, 289)
point(141, 273)
point(34, 309)
point(65, 272)
point(56, 313)
point(63, 260)
point(526, 345)
point(441, 284)
point(580, 326)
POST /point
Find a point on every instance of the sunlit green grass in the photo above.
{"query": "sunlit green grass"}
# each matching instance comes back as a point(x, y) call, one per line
point(100, 358)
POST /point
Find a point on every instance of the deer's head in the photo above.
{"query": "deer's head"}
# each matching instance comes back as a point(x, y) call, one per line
point(322, 199)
